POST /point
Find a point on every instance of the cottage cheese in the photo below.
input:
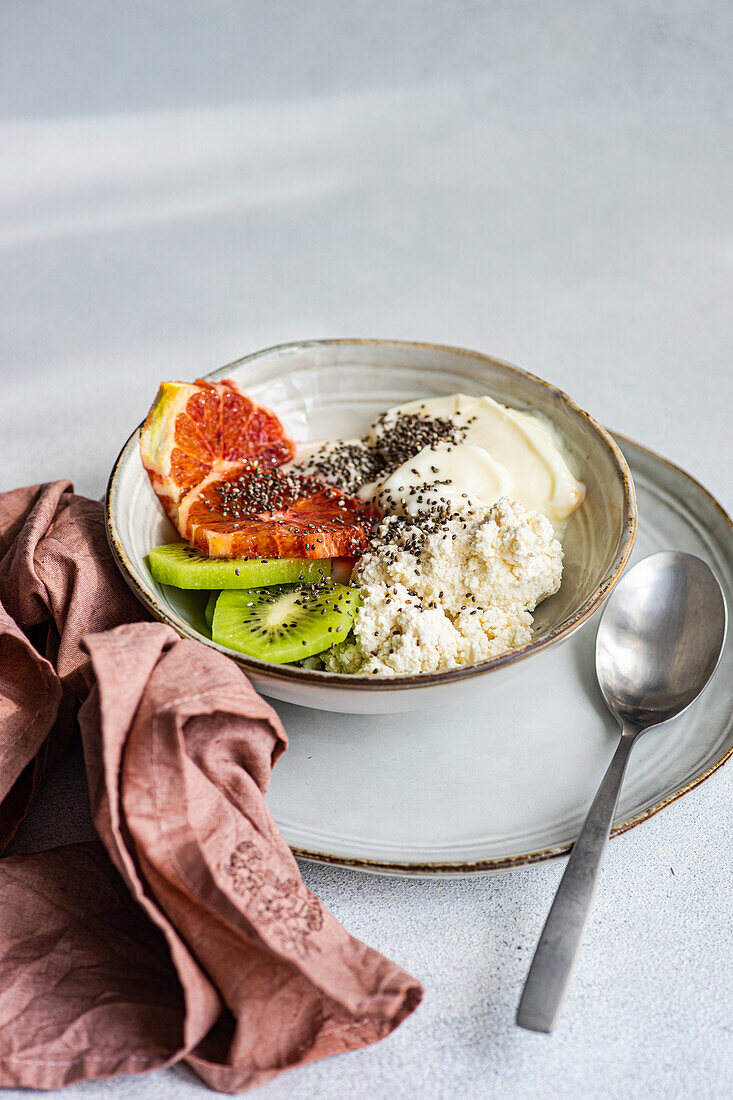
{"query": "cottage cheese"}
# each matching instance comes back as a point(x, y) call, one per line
point(456, 591)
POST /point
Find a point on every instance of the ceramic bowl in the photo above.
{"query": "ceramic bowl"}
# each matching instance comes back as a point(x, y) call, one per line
point(335, 388)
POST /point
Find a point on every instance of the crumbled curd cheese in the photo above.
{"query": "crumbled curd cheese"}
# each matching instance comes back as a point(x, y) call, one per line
point(453, 592)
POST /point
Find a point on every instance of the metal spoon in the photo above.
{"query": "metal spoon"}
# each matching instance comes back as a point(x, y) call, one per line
point(658, 644)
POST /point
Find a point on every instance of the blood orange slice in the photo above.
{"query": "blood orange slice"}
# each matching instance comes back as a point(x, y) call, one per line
point(261, 512)
point(198, 429)
point(211, 454)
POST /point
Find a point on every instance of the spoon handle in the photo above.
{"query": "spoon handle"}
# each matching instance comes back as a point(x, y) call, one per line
point(549, 974)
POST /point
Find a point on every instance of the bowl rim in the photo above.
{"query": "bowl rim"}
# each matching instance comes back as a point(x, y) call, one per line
point(295, 675)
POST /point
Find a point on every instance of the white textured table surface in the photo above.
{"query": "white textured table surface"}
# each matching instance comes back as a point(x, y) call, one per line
point(182, 183)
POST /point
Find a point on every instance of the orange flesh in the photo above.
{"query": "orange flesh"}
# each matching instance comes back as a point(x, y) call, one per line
point(220, 423)
point(325, 524)
point(222, 436)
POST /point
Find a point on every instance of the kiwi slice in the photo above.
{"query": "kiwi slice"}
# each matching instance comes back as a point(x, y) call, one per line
point(181, 566)
point(209, 609)
point(284, 623)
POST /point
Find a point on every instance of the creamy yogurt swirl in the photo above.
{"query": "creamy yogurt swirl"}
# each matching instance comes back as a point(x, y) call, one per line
point(502, 453)
point(467, 452)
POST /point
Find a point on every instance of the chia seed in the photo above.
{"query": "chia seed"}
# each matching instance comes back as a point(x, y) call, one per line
point(350, 466)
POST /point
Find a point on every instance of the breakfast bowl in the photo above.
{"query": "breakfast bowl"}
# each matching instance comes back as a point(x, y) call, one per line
point(323, 389)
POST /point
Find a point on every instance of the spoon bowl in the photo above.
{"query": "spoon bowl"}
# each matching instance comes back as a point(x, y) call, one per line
point(660, 638)
point(658, 644)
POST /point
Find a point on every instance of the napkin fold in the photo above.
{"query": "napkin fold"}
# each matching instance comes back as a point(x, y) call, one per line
point(186, 931)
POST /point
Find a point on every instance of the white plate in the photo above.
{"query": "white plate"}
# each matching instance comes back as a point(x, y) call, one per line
point(505, 780)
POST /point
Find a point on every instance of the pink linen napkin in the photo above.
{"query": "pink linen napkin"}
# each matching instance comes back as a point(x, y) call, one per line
point(186, 932)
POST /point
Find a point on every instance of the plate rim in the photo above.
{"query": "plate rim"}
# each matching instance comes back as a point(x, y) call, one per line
point(432, 869)
point(458, 869)
point(289, 675)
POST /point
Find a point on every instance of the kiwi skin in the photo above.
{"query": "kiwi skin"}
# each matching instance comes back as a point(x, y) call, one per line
point(209, 609)
point(181, 566)
point(285, 623)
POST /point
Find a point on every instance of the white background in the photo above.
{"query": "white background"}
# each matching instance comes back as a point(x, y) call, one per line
point(182, 183)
